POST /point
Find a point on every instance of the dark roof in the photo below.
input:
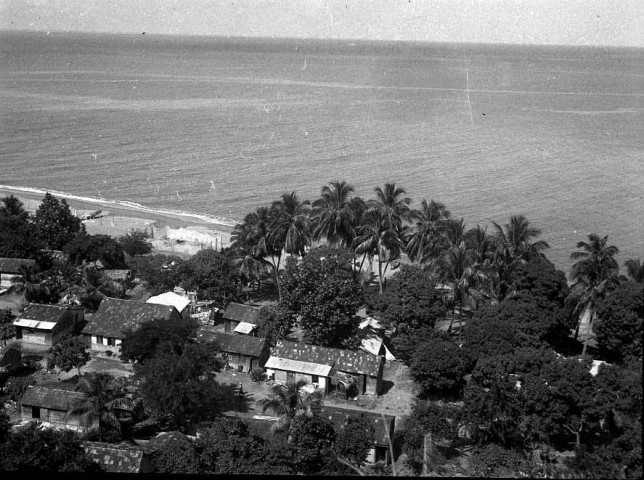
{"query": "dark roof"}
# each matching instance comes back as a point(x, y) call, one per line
point(232, 343)
point(43, 313)
point(115, 458)
point(51, 398)
point(349, 361)
point(12, 265)
point(340, 416)
point(114, 316)
point(242, 313)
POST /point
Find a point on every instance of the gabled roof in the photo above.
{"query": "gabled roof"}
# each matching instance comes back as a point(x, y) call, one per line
point(342, 360)
point(227, 342)
point(114, 316)
point(115, 458)
point(242, 313)
point(170, 299)
point(43, 313)
point(340, 416)
point(12, 265)
point(51, 398)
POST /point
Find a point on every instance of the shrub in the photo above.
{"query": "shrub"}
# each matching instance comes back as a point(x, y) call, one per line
point(257, 374)
point(16, 386)
point(109, 353)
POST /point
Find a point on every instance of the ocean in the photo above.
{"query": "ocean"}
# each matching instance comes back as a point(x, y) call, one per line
point(220, 126)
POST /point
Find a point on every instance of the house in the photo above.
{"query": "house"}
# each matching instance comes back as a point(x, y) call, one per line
point(51, 407)
point(105, 330)
point(171, 299)
point(242, 352)
point(10, 269)
point(383, 430)
point(118, 458)
point(331, 369)
point(45, 324)
point(240, 318)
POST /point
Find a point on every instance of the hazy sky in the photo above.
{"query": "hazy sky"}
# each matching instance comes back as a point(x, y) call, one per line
point(568, 22)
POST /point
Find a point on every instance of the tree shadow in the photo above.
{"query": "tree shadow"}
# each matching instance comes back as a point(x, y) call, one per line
point(229, 400)
point(386, 386)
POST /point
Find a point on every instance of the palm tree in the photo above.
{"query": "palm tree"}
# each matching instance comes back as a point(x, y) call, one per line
point(635, 270)
point(424, 237)
point(456, 268)
point(333, 215)
point(376, 237)
point(594, 273)
point(393, 207)
point(100, 402)
point(517, 237)
point(454, 231)
point(290, 229)
point(288, 401)
point(11, 208)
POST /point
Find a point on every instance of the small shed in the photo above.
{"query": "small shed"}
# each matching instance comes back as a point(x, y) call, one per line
point(383, 431)
point(240, 318)
point(51, 406)
point(45, 324)
point(241, 352)
point(357, 367)
point(105, 330)
point(171, 299)
point(118, 458)
point(10, 269)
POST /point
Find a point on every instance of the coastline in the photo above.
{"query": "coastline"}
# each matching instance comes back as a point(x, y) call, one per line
point(173, 232)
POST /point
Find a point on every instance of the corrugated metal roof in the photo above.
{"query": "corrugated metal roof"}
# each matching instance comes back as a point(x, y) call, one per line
point(170, 299)
point(227, 342)
point(242, 313)
point(350, 361)
point(244, 328)
point(299, 366)
point(114, 316)
point(34, 324)
point(115, 458)
point(52, 398)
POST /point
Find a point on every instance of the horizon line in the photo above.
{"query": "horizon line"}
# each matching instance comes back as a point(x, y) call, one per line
point(325, 39)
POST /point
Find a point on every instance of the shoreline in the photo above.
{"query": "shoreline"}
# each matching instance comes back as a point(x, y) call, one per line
point(117, 218)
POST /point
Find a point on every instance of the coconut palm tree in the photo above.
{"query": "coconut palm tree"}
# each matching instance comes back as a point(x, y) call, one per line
point(454, 232)
point(635, 270)
point(288, 401)
point(517, 237)
point(594, 273)
point(100, 402)
point(392, 205)
point(333, 216)
point(377, 237)
point(424, 238)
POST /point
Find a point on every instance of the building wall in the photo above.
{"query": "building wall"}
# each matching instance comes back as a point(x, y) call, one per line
point(53, 417)
point(38, 337)
point(101, 344)
point(6, 279)
point(247, 363)
point(281, 376)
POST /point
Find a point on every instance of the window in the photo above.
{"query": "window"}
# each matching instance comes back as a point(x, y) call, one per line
point(110, 341)
point(99, 339)
point(35, 412)
point(315, 379)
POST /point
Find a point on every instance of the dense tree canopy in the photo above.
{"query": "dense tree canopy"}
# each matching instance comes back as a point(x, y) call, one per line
point(54, 222)
point(68, 352)
point(135, 243)
point(160, 273)
point(438, 365)
point(212, 275)
point(92, 248)
point(142, 344)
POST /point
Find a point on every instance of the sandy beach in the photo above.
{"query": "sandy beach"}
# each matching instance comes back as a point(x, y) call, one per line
point(171, 232)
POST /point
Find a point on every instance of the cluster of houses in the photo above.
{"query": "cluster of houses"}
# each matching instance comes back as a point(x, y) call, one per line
point(234, 332)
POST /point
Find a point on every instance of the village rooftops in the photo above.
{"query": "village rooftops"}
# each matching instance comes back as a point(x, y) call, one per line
point(114, 316)
point(227, 342)
point(42, 317)
point(115, 458)
point(12, 265)
point(242, 313)
point(349, 361)
point(170, 299)
point(51, 398)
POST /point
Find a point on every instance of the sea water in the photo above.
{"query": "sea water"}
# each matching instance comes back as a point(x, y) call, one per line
point(220, 126)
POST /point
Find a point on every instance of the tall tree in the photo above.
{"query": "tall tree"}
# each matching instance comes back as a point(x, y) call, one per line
point(425, 239)
point(291, 224)
point(518, 238)
point(392, 205)
point(55, 224)
point(69, 352)
point(594, 273)
point(17, 237)
point(12, 208)
point(334, 219)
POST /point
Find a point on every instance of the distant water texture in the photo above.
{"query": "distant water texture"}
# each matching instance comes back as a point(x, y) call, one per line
point(221, 126)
